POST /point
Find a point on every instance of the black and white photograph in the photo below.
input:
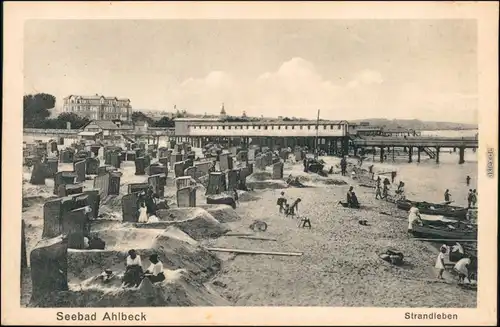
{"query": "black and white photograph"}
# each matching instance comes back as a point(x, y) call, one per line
point(252, 163)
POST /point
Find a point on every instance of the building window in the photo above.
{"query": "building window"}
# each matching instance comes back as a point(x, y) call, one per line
point(258, 127)
point(265, 127)
point(286, 127)
point(211, 127)
point(301, 126)
point(223, 127)
point(272, 127)
point(340, 126)
point(279, 127)
point(308, 126)
point(293, 127)
point(229, 127)
point(331, 126)
point(324, 126)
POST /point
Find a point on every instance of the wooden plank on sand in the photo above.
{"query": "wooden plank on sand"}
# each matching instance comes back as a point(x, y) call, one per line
point(254, 252)
point(238, 234)
point(443, 240)
point(257, 238)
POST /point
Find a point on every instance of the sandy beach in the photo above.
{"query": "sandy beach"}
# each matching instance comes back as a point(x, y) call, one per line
point(340, 265)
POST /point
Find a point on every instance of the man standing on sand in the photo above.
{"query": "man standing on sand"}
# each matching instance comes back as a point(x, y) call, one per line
point(378, 192)
point(474, 198)
point(343, 165)
point(469, 199)
point(447, 195)
point(393, 176)
point(281, 202)
point(467, 180)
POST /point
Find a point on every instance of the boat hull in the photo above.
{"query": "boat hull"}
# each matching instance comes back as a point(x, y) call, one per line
point(439, 210)
point(444, 233)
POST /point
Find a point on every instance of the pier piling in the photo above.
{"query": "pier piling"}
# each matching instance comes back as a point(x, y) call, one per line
point(410, 154)
point(461, 155)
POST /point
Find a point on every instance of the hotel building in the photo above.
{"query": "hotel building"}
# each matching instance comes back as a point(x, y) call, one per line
point(99, 107)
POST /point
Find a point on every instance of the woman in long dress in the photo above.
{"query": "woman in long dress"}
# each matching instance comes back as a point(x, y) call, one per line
point(143, 215)
point(133, 270)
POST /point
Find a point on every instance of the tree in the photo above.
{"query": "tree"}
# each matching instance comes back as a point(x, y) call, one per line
point(36, 108)
point(76, 121)
point(164, 122)
point(140, 116)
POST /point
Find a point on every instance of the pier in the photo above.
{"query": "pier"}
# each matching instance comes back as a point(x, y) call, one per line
point(429, 145)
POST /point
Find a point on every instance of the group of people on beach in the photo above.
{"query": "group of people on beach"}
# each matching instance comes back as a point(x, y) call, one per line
point(286, 208)
point(463, 266)
point(134, 273)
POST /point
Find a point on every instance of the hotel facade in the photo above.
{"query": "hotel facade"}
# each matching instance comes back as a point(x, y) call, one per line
point(99, 107)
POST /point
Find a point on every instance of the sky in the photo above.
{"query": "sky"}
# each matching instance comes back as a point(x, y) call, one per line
point(348, 69)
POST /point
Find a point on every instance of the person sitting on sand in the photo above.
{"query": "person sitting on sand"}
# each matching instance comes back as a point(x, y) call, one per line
point(457, 252)
point(440, 262)
point(349, 195)
point(281, 202)
point(462, 269)
point(155, 271)
point(133, 271)
point(354, 201)
point(413, 218)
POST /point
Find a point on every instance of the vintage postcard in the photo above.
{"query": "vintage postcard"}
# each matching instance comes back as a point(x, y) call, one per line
point(258, 163)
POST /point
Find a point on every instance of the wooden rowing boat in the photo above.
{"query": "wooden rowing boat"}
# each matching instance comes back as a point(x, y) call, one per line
point(434, 209)
point(464, 232)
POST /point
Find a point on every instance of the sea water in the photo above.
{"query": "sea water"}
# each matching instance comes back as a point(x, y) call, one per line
point(428, 180)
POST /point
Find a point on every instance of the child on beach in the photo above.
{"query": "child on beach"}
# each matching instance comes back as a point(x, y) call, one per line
point(378, 192)
point(440, 262)
point(281, 202)
point(143, 216)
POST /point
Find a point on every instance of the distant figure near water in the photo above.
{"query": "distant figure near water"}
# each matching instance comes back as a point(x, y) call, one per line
point(447, 195)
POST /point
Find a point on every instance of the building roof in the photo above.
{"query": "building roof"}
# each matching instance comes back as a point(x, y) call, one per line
point(269, 123)
point(95, 97)
point(88, 133)
point(104, 124)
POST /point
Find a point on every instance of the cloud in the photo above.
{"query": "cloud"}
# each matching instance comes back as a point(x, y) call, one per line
point(297, 88)
point(366, 77)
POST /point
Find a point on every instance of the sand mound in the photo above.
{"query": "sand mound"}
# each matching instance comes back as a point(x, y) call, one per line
point(246, 196)
point(223, 213)
point(179, 289)
point(196, 222)
point(267, 184)
point(260, 176)
point(29, 201)
point(174, 248)
point(105, 223)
